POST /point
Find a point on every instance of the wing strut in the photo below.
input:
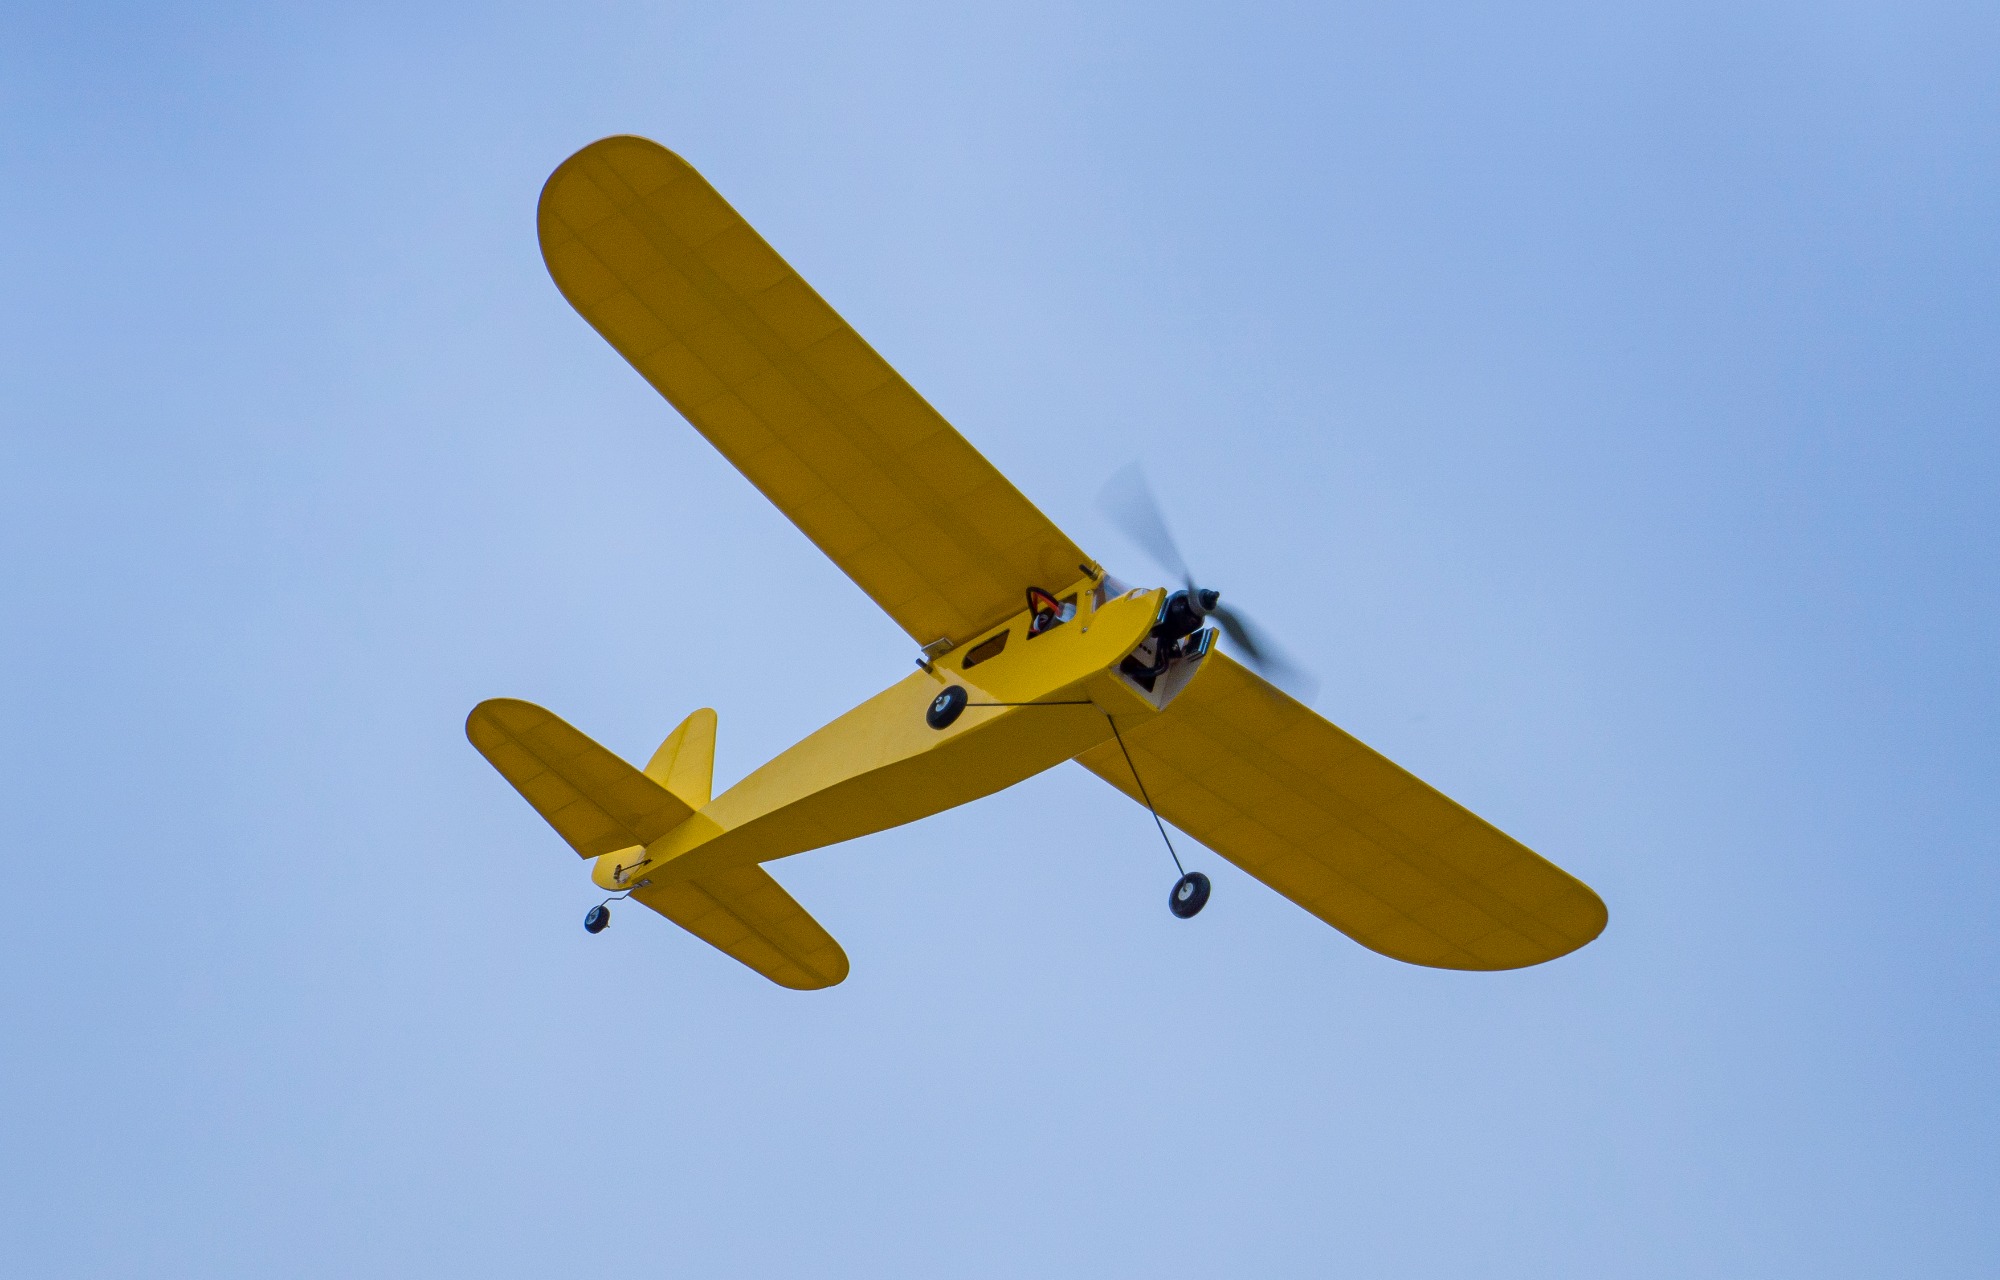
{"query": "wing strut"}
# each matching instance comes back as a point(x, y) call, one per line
point(1145, 795)
point(1190, 893)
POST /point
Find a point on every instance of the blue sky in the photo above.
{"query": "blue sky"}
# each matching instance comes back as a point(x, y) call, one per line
point(1600, 398)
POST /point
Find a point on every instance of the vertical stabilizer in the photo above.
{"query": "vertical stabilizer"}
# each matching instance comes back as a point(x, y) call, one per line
point(685, 762)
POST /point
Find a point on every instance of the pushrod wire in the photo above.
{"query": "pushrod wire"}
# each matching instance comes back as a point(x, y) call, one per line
point(1124, 750)
point(1077, 702)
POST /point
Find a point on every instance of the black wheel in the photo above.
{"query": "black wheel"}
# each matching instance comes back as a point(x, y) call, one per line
point(598, 918)
point(1190, 895)
point(945, 707)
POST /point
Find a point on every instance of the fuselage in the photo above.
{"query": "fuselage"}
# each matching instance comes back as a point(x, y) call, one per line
point(1033, 701)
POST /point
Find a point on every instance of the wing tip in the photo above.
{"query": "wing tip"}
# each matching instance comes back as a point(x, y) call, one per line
point(490, 712)
point(592, 150)
point(819, 981)
point(1589, 923)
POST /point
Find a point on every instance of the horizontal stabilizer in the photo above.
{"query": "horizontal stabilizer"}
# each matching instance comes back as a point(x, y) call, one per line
point(744, 912)
point(594, 800)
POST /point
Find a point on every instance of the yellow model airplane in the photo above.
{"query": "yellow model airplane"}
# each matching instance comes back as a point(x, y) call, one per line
point(1031, 654)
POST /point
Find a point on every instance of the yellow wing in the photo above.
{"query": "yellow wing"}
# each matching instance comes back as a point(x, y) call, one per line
point(593, 799)
point(1345, 833)
point(748, 915)
point(723, 327)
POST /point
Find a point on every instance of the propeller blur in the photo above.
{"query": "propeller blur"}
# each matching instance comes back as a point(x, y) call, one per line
point(1130, 502)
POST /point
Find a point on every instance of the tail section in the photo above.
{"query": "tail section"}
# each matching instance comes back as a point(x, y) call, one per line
point(747, 915)
point(593, 799)
point(685, 762)
point(600, 804)
point(741, 912)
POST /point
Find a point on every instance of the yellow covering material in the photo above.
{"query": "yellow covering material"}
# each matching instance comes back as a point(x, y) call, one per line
point(687, 292)
point(1345, 833)
point(747, 914)
point(602, 805)
point(881, 764)
point(685, 762)
point(593, 799)
point(723, 327)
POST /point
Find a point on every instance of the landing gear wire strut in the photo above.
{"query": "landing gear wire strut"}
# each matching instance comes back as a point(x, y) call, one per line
point(1123, 750)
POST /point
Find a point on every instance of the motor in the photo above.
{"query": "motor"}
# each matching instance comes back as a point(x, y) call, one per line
point(1184, 613)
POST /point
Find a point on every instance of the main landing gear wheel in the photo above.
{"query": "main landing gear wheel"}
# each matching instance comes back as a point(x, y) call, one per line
point(1190, 895)
point(946, 706)
point(598, 918)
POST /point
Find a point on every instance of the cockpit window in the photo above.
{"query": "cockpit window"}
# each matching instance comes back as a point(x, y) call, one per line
point(987, 648)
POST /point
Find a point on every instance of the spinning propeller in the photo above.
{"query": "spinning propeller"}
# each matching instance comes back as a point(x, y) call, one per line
point(1130, 503)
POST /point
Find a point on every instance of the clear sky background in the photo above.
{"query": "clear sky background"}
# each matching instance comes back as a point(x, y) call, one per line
point(1601, 398)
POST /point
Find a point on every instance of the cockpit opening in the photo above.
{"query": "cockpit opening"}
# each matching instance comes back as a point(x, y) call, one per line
point(1045, 612)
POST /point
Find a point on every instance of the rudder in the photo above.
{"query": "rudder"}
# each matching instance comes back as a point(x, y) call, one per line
point(685, 762)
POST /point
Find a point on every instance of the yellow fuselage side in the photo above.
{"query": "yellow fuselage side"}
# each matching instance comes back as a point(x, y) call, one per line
point(882, 764)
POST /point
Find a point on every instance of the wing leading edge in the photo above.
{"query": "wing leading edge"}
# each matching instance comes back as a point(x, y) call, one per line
point(1344, 832)
point(674, 278)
